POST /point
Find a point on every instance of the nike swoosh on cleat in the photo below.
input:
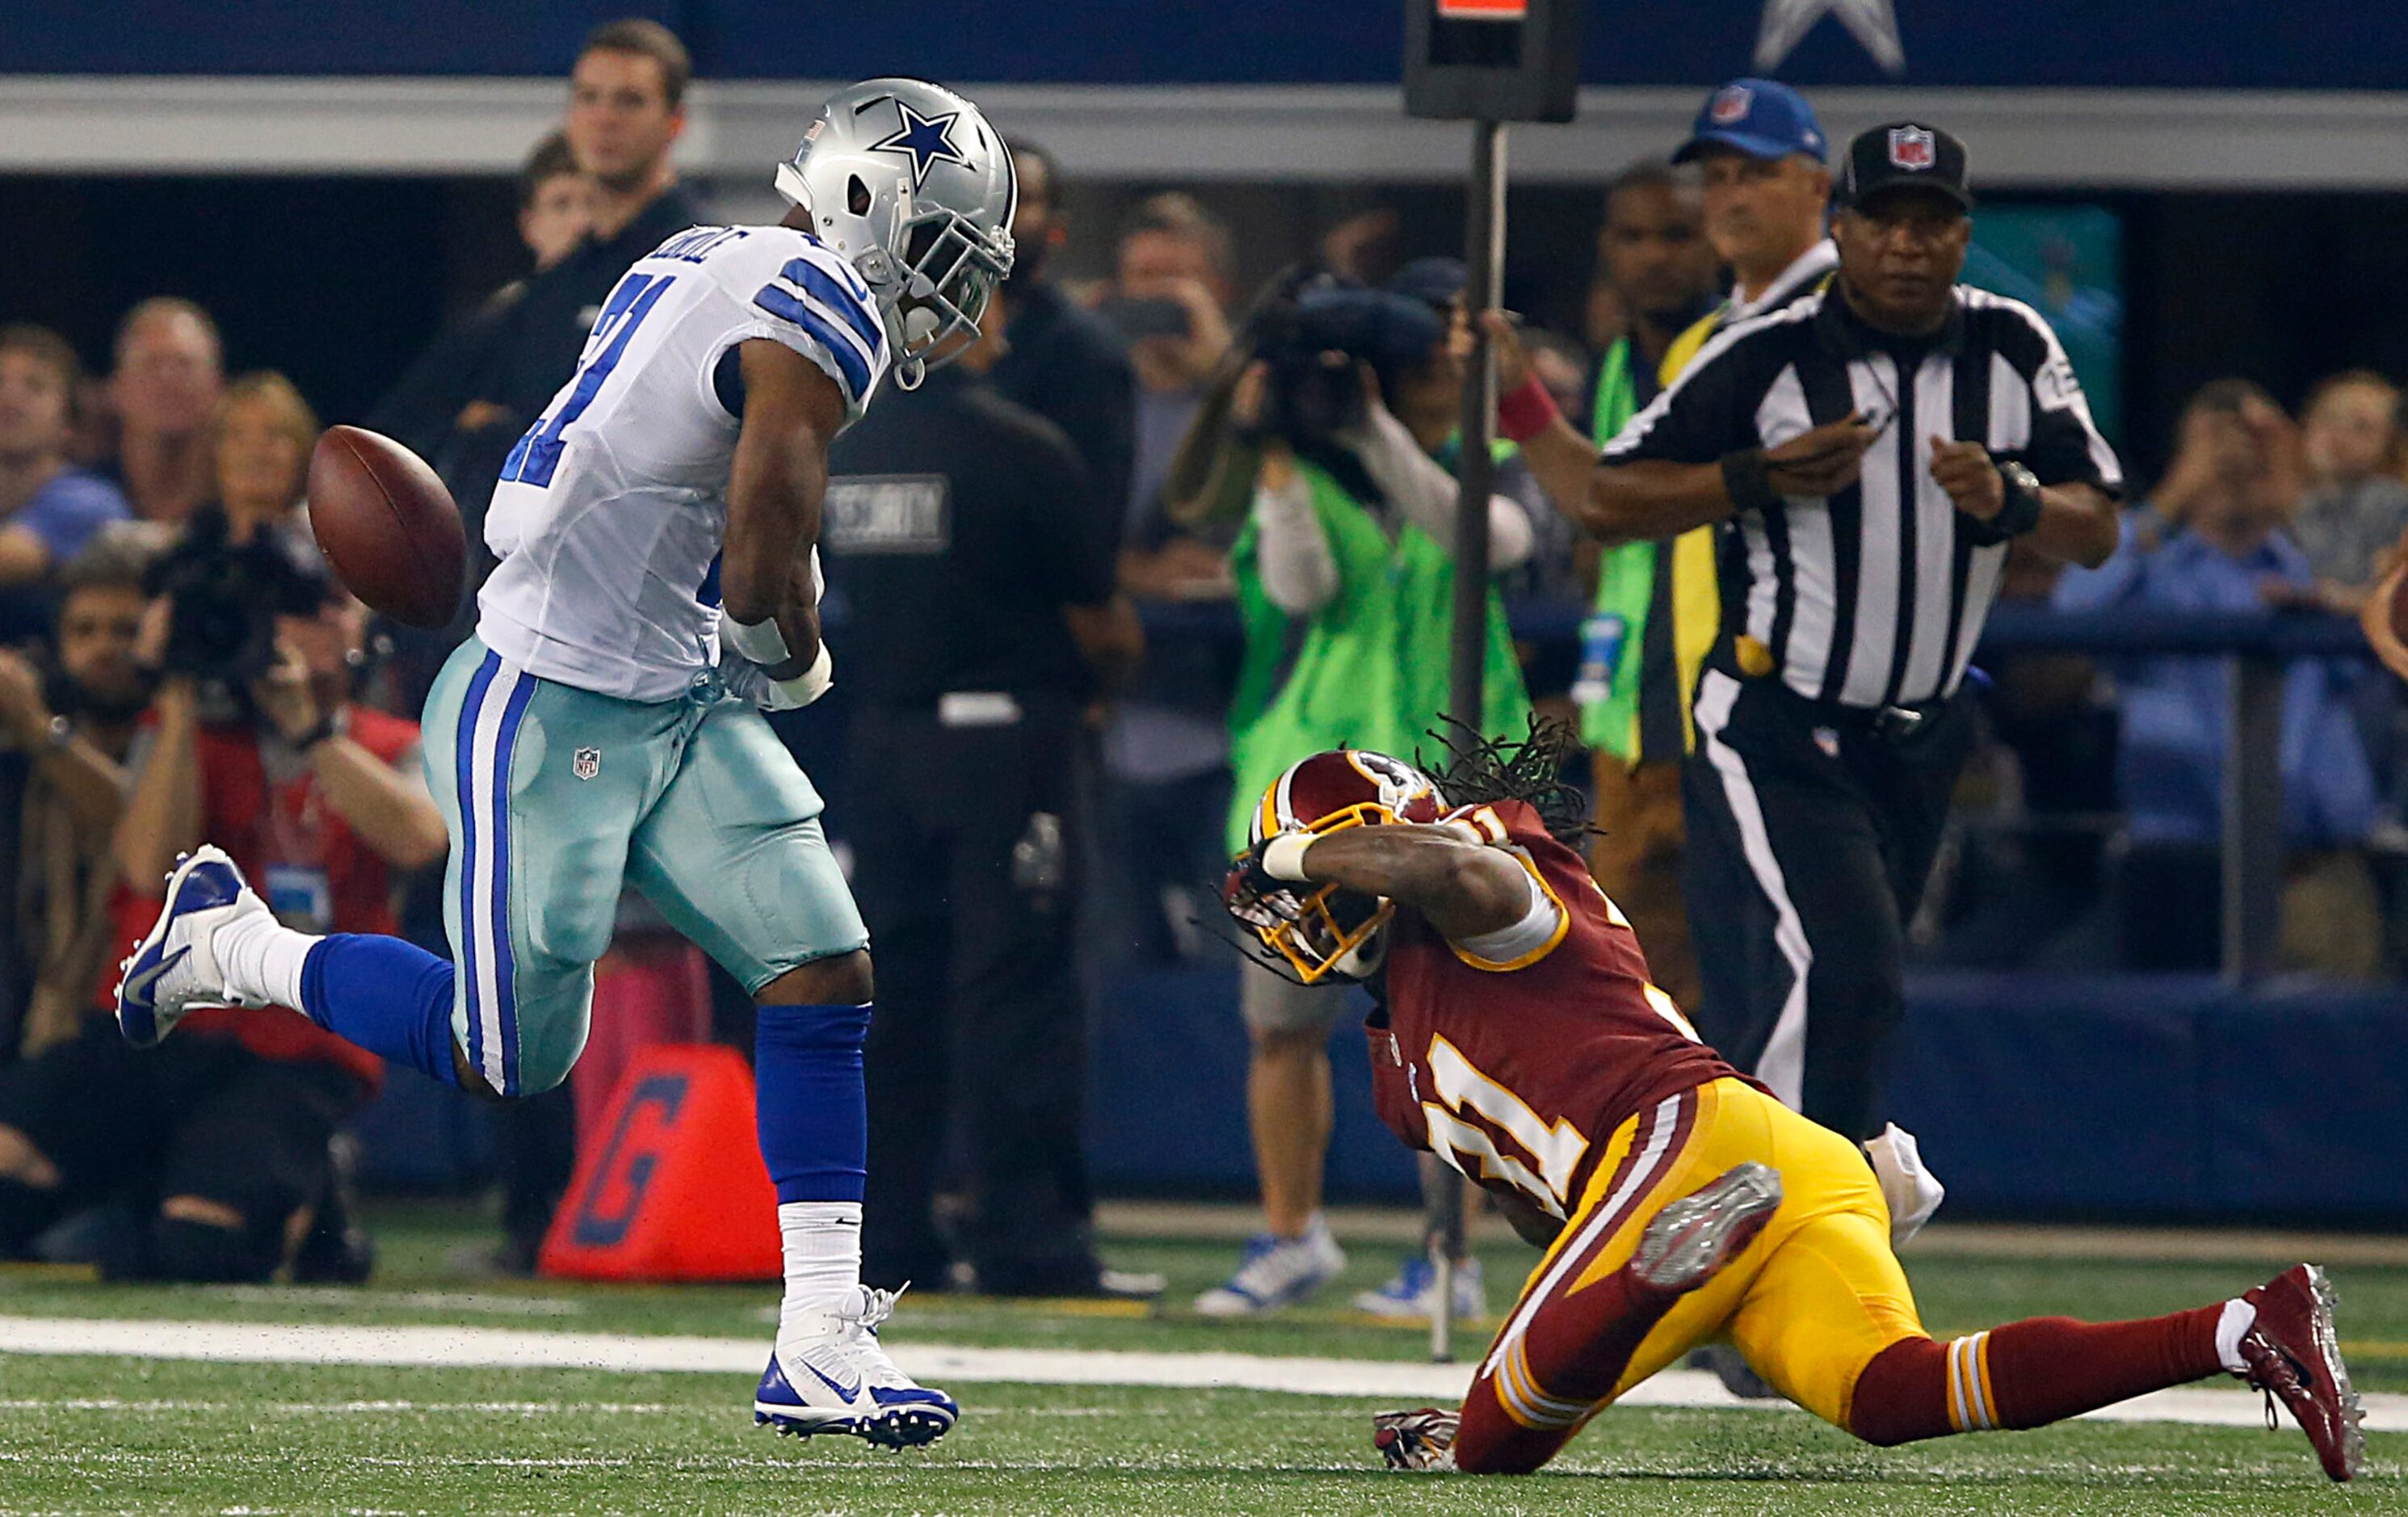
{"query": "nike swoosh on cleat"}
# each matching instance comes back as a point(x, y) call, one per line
point(848, 1392)
point(137, 989)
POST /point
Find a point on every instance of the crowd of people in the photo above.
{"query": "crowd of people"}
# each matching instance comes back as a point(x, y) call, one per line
point(1117, 456)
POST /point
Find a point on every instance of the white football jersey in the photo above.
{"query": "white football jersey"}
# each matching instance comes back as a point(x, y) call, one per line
point(610, 512)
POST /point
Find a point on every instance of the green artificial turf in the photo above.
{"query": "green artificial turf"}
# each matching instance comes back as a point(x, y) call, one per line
point(111, 1435)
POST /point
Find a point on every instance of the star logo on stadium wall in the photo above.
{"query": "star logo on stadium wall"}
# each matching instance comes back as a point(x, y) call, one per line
point(930, 139)
point(1873, 22)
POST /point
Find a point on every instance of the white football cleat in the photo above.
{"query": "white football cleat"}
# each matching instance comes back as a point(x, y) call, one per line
point(175, 969)
point(832, 1376)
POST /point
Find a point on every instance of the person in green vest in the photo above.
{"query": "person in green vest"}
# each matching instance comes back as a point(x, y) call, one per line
point(1345, 589)
point(1635, 666)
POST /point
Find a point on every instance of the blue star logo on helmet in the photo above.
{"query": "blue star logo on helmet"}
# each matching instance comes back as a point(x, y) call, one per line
point(930, 139)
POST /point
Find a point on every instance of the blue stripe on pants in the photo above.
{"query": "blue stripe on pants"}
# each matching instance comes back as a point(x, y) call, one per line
point(464, 749)
point(505, 975)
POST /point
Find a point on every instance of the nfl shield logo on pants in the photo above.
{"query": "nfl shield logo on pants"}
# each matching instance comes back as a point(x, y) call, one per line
point(1911, 147)
point(585, 763)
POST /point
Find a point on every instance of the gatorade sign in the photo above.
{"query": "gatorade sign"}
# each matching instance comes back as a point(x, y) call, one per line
point(671, 1185)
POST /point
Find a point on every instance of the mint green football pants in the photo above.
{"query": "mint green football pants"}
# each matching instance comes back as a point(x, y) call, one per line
point(557, 797)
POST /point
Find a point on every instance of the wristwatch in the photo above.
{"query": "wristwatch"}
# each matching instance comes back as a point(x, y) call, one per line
point(2021, 512)
point(2018, 514)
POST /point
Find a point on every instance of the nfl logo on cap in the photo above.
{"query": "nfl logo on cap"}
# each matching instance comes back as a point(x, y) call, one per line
point(1911, 148)
point(1732, 104)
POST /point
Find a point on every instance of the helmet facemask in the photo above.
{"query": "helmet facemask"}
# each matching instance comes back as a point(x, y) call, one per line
point(1324, 932)
point(952, 269)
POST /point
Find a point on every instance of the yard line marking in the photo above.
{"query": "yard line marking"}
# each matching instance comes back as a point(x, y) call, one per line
point(521, 1349)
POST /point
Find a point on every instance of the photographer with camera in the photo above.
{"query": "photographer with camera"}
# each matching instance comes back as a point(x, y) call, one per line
point(67, 715)
point(1345, 589)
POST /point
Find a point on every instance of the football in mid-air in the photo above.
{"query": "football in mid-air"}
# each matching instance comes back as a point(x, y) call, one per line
point(388, 525)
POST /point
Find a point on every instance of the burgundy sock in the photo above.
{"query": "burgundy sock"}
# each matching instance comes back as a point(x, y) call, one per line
point(2028, 1374)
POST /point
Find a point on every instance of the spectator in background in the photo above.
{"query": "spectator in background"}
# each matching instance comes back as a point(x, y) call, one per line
point(1171, 282)
point(1637, 669)
point(48, 508)
point(1060, 360)
point(435, 400)
point(170, 370)
point(68, 721)
point(626, 110)
point(1166, 765)
point(2212, 541)
point(2354, 507)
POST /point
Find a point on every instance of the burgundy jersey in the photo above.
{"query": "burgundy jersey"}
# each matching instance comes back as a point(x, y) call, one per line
point(1517, 1073)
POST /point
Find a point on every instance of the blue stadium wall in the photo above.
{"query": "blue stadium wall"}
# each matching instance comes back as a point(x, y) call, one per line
point(2036, 44)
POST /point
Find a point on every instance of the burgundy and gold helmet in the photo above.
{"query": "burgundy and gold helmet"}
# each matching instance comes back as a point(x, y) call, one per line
point(1324, 932)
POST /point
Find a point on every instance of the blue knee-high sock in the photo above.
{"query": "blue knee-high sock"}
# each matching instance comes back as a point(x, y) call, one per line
point(808, 1098)
point(390, 997)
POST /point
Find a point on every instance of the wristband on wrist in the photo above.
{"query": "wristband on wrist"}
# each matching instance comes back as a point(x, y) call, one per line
point(1527, 411)
point(1747, 478)
point(760, 642)
point(1283, 857)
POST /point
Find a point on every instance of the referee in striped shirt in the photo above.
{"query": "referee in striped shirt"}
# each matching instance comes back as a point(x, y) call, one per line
point(1867, 453)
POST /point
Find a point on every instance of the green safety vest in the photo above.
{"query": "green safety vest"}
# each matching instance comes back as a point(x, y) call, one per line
point(1371, 669)
point(1625, 577)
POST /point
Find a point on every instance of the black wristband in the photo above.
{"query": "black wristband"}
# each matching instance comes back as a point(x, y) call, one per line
point(1747, 478)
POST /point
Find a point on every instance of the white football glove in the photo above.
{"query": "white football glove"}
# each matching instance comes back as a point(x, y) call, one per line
point(1911, 1191)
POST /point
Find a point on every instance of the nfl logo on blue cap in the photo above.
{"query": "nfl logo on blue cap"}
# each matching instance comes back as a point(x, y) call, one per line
point(1760, 117)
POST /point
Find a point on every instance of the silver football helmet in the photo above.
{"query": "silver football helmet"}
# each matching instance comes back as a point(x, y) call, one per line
point(908, 181)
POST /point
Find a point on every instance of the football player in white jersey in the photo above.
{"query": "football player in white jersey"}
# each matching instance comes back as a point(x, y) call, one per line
point(657, 529)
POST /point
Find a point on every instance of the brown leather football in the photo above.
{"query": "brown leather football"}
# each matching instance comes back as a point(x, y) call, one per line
point(388, 525)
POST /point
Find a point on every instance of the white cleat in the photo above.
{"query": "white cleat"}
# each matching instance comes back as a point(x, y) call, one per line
point(1276, 1272)
point(174, 969)
point(833, 1376)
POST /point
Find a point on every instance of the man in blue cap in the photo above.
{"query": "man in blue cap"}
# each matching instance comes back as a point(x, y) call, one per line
point(1768, 193)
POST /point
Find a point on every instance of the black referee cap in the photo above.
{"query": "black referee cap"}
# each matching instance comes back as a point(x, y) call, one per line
point(1904, 155)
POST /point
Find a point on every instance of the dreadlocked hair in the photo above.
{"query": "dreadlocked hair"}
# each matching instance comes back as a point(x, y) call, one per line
point(1479, 771)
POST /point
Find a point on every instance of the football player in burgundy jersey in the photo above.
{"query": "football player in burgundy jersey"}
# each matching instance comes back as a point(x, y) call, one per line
point(1520, 1039)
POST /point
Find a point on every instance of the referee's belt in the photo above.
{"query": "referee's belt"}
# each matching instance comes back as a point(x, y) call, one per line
point(1898, 724)
point(1891, 724)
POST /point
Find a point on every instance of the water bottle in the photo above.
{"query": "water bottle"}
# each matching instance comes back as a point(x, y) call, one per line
point(1602, 638)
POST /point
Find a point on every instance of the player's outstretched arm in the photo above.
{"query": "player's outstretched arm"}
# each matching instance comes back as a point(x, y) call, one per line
point(1464, 887)
point(792, 411)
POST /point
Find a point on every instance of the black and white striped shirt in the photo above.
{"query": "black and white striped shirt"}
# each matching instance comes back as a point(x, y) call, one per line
point(1875, 594)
